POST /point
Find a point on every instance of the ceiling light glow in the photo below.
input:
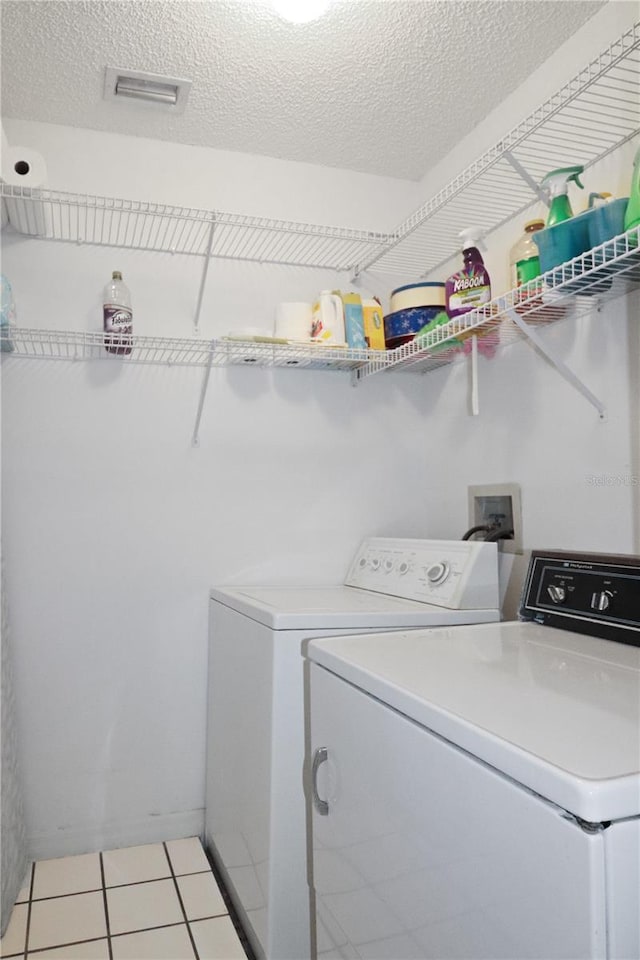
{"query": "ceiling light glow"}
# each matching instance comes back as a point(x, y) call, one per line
point(300, 11)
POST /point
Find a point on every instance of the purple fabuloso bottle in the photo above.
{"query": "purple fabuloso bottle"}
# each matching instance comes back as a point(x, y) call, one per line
point(470, 287)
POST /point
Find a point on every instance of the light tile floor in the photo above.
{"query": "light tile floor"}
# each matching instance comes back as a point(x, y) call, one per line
point(159, 901)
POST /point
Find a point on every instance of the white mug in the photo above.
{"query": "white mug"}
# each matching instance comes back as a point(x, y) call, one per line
point(293, 321)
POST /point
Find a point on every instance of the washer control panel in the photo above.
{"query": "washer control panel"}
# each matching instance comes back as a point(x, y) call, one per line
point(458, 574)
point(589, 593)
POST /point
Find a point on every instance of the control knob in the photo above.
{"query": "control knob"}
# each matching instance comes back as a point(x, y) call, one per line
point(438, 572)
point(601, 600)
point(558, 594)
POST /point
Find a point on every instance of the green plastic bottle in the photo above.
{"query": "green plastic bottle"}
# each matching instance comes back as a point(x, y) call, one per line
point(632, 215)
point(558, 183)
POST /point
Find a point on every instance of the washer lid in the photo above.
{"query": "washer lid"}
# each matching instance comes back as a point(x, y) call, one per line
point(335, 608)
point(557, 711)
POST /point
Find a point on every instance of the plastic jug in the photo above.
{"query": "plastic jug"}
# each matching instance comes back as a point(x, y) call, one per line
point(327, 324)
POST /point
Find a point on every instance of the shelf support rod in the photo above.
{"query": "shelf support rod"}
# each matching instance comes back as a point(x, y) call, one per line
point(531, 334)
point(195, 439)
point(475, 402)
point(205, 271)
point(528, 179)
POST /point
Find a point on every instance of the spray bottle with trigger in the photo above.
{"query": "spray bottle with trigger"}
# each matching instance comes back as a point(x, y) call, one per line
point(470, 287)
point(557, 183)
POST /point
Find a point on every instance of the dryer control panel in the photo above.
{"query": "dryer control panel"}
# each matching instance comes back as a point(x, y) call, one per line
point(589, 593)
point(457, 574)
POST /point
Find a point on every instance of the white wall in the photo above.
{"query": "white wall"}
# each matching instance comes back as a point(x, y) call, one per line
point(115, 527)
point(580, 477)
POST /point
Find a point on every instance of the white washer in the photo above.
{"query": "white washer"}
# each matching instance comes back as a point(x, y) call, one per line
point(477, 789)
point(255, 804)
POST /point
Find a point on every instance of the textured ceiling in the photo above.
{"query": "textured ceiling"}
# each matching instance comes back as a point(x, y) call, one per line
point(379, 86)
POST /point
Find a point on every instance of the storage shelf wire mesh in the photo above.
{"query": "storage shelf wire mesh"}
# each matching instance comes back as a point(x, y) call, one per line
point(592, 115)
point(571, 289)
point(76, 345)
point(22, 343)
point(130, 224)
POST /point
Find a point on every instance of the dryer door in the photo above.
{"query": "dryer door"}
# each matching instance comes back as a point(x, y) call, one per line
point(425, 852)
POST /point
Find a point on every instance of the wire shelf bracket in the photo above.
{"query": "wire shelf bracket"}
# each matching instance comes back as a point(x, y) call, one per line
point(195, 439)
point(205, 273)
point(541, 194)
point(532, 334)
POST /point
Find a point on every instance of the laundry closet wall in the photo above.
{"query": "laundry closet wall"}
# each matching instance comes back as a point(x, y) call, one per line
point(116, 527)
point(580, 476)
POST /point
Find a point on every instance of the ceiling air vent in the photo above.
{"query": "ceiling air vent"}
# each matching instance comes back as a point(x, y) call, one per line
point(150, 87)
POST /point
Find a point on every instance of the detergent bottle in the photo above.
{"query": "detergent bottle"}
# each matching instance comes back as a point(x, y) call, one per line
point(558, 184)
point(632, 214)
point(327, 321)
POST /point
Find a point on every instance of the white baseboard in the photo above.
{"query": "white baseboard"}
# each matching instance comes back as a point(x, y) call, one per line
point(110, 836)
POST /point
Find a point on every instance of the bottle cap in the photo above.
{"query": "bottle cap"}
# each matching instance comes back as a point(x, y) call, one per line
point(532, 225)
point(116, 275)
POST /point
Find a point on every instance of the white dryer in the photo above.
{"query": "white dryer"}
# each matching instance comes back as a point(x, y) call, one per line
point(255, 804)
point(477, 789)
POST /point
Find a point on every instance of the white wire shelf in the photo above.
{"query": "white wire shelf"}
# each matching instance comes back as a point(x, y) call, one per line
point(603, 273)
point(172, 351)
point(591, 116)
point(572, 289)
point(134, 225)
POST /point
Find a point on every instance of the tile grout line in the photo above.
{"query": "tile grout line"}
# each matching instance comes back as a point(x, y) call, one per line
point(106, 907)
point(184, 912)
point(113, 886)
point(114, 936)
point(26, 953)
point(61, 946)
point(26, 935)
point(194, 873)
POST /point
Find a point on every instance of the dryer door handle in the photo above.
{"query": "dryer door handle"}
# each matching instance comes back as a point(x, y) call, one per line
point(319, 757)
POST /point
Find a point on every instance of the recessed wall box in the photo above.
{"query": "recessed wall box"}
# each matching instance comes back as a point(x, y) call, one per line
point(498, 506)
